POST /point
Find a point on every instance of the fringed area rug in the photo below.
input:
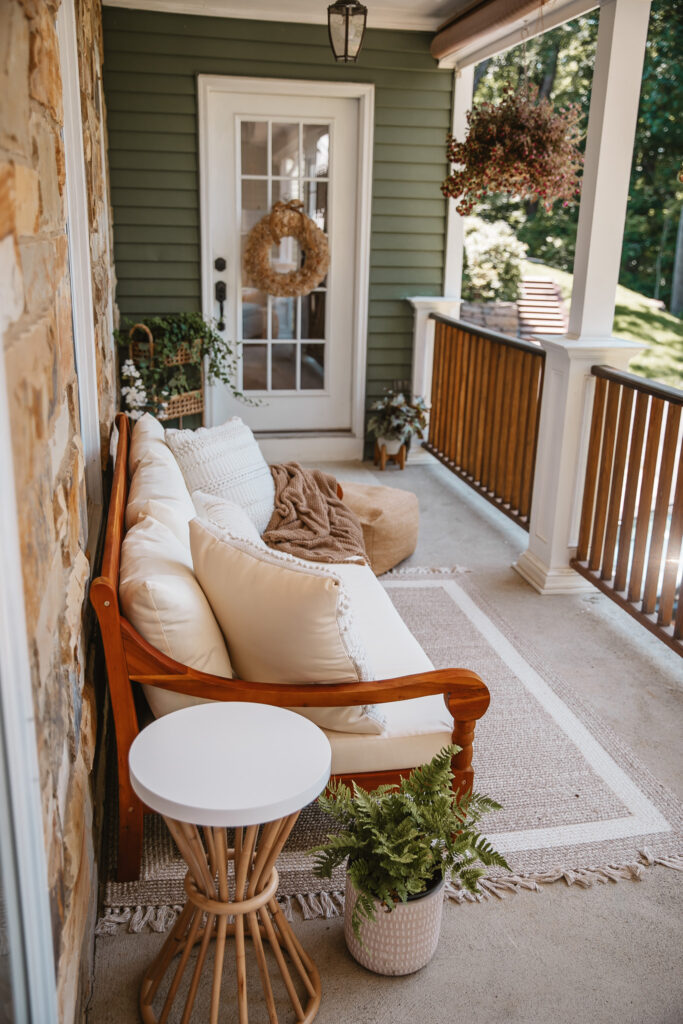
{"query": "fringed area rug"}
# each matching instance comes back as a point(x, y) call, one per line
point(578, 806)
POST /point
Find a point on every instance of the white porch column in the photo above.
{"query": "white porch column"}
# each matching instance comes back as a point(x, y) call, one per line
point(568, 385)
point(463, 90)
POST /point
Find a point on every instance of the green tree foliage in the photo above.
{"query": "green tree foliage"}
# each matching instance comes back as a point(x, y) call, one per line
point(560, 63)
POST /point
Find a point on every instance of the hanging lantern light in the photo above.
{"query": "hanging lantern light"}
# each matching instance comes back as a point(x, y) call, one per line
point(346, 25)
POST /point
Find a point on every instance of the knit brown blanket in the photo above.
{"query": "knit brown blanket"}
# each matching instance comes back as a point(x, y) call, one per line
point(309, 520)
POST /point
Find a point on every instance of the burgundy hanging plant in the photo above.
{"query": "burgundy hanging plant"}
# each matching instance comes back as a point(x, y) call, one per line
point(518, 146)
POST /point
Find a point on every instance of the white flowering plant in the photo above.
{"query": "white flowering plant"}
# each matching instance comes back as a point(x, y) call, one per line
point(493, 261)
point(397, 417)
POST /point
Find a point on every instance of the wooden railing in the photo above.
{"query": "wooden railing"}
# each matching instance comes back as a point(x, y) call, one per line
point(485, 405)
point(632, 516)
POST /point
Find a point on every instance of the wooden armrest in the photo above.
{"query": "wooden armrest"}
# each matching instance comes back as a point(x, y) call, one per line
point(466, 695)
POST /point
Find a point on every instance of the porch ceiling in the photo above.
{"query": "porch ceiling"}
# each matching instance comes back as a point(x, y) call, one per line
point(414, 15)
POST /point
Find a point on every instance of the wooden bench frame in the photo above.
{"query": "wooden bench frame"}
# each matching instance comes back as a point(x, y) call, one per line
point(130, 659)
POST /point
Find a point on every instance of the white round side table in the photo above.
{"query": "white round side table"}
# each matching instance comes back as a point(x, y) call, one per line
point(249, 768)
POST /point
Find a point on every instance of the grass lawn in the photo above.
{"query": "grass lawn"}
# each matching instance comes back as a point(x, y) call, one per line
point(637, 319)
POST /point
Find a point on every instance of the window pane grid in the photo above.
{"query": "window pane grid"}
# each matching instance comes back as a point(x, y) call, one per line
point(285, 361)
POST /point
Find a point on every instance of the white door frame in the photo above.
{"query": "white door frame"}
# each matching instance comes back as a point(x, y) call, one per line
point(334, 445)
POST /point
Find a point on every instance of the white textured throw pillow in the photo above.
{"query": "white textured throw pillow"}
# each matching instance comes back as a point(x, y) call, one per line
point(284, 620)
point(160, 595)
point(228, 515)
point(227, 462)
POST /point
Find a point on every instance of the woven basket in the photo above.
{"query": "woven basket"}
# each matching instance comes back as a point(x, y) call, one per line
point(186, 404)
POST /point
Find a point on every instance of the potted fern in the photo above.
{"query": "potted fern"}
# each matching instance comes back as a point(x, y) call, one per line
point(402, 843)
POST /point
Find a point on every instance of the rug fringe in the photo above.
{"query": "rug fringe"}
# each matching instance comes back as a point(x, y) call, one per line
point(161, 919)
point(500, 886)
point(440, 570)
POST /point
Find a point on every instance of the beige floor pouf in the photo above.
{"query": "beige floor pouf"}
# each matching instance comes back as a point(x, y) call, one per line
point(390, 519)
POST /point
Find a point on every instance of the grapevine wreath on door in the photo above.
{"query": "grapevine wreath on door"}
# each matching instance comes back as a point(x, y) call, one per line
point(286, 220)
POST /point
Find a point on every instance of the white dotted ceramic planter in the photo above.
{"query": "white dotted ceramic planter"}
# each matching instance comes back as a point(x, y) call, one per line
point(396, 942)
point(392, 444)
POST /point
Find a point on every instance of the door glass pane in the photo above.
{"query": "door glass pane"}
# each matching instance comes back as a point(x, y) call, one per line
point(286, 256)
point(285, 190)
point(254, 147)
point(313, 315)
point(285, 156)
point(254, 203)
point(312, 367)
point(254, 367)
point(316, 140)
point(283, 373)
point(315, 202)
point(254, 314)
point(284, 317)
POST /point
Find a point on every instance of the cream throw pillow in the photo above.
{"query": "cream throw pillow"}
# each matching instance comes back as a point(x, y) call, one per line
point(158, 478)
point(228, 515)
point(227, 462)
point(147, 436)
point(161, 597)
point(284, 620)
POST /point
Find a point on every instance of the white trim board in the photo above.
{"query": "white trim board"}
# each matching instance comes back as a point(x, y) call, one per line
point(78, 231)
point(300, 446)
point(644, 818)
point(399, 14)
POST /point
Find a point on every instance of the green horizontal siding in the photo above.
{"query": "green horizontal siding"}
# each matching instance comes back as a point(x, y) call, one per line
point(150, 68)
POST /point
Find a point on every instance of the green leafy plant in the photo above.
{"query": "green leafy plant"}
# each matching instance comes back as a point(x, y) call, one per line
point(394, 416)
point(152, 379)
point(399, 839)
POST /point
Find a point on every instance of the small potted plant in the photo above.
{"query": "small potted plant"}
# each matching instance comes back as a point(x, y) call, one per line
point(393, 420)
point(167, 360)
point(402, 843)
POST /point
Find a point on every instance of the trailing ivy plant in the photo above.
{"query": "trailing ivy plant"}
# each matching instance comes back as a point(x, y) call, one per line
point(151, 382)
point(400, 839)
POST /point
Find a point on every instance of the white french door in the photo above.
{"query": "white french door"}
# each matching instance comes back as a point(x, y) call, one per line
point(264, 141)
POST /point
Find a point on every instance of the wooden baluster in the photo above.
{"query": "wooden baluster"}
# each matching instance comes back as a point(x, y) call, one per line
point(497, 431)
point(645, 501)
point(454, 357)
point(486, 346)
point(516, 488)
point(465, 343)
point(585, 528)
point(487, 456)
point(471, 406)
point(501, 467)
point(666, 468)
point(673, 553)
point(437, 387)
point(531, 433)
point(612, 527)
point(632, 479)
point(604, 475)
point(510, 442)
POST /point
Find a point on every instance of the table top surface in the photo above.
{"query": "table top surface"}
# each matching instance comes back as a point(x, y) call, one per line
point(229, 764)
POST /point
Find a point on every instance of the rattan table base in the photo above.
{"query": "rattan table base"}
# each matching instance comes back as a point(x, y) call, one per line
point(248, 894)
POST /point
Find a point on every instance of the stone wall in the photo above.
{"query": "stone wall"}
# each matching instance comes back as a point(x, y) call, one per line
point(43, 401)
point(494, 316)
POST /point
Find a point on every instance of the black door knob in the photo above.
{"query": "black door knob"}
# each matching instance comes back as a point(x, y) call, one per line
point(220, 264)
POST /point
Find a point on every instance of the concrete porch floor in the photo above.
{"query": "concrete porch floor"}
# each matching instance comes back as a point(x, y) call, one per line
point(613, 953)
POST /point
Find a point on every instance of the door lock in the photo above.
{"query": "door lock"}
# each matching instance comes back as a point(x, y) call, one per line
point(221, 295)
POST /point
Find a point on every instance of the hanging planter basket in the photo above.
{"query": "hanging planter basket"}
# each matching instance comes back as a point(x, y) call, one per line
point(519, 147)
point(188, 403)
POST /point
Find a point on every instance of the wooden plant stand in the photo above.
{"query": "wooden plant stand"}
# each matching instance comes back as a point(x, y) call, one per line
point(240, 765)
point(254, 907)
point(382, 457)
